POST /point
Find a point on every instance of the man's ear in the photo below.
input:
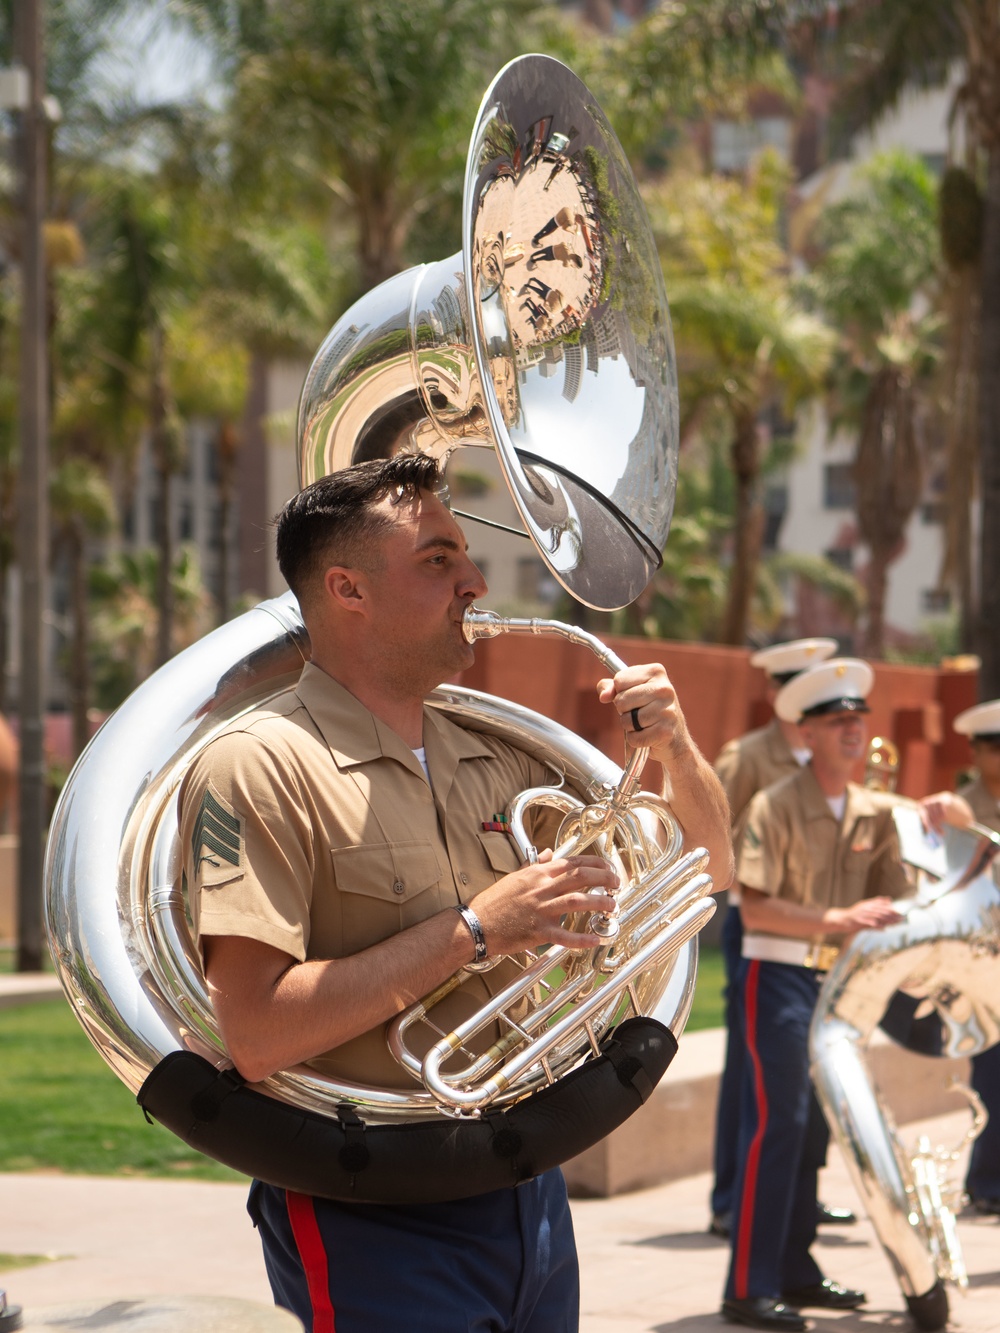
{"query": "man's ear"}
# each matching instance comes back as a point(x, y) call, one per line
point(346, 588)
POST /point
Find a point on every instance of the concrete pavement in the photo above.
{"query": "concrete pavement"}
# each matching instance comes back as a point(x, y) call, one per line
point(648, 1265)
point(152, 1256)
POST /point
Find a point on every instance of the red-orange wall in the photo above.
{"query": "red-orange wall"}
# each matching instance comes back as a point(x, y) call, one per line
point(723, 696)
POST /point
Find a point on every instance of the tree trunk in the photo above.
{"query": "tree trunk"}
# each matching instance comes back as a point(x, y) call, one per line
point(79, 667)
point(988, 637)
point(227, 445)
point(888, 474)
point(381, 230)
point(877, 582)
point(748, 529)
point(961, 447)
point(3, 636)
point(164, 465)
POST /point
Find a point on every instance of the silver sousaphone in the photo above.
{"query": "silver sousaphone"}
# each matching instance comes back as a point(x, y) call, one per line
point(932, 982)
point(547, 340)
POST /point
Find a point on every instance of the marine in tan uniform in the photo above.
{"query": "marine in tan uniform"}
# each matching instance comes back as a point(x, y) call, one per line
point(339, 869)
point(745, 766)
point(982, 1182)
point(818, 861)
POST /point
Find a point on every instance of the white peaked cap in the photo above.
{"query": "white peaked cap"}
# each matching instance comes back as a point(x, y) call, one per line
point(839, 686)
point(781, 659)
point(983, 720)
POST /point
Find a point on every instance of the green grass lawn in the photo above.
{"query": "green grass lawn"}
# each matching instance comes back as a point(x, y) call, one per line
point(62, 1109)
point(707, 1009)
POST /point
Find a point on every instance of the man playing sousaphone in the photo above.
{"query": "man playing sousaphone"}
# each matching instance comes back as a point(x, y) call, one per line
point(338, 870)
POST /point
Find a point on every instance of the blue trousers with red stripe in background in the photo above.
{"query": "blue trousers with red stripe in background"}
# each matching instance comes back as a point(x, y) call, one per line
point(983, 1179)
point(503, 1262)
point(783, 1136)
point(727, 1113)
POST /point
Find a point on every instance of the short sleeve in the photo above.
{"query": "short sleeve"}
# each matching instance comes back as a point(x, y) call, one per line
point(758, 863)
point(738, 778)
point(247, 844)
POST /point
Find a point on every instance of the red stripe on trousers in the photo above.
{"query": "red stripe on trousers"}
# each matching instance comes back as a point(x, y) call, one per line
point(744, 1232)
point(312, 1252)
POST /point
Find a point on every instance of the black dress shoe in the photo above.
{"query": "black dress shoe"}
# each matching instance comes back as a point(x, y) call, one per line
point(763, 1312)
point(826, 1295)
point(990, 1207)
point(834, 1217)
point(721, 1225)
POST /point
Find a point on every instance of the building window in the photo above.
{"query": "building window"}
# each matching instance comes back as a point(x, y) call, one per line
point(839, 490)
point(534, 582)
point(842, 557)
point(775, 508)
point(736, 143)
point(935, 601)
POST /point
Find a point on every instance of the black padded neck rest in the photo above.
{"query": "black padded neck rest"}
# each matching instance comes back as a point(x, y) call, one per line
point(426, 1161)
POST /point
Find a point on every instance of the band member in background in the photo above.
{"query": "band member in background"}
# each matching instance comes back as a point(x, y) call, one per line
point(818, 861)
point(982, 725)
point(339, 870)
point(746, 766)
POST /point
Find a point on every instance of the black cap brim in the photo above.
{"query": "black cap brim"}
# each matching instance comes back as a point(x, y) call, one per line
point(849, 705)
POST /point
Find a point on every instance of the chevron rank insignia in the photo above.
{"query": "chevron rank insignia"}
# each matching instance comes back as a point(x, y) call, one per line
point(218, 835)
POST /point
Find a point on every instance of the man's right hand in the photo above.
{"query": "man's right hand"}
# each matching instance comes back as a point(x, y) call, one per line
point(868, 914)
point(525, 909)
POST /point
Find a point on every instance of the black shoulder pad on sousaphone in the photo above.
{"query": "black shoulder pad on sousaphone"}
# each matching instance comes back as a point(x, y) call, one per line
point(547, 339)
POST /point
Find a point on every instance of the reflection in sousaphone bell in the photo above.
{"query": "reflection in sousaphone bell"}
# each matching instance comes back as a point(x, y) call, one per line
point(547, 339)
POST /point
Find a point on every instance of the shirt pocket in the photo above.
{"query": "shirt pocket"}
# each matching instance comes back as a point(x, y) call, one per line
point(384, 887)
point(856, 860)
point(502, 857)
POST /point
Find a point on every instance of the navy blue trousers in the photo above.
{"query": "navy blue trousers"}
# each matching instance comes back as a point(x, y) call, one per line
point(783, 1136)
point(503, 1262)
point(727, 1114)
point(983, 1178)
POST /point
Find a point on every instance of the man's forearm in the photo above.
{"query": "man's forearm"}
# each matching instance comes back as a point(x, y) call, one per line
point(274, 1012)
point(778, 916)
point(699, 803)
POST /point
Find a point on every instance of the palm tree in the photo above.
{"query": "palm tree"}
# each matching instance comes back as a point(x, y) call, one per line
point(744, 344)
point(877, 283)
point(360, 110)
point(897, 44)
point(125, 593)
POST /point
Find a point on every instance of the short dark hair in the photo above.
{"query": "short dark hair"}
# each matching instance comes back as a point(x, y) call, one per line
point(333, 520)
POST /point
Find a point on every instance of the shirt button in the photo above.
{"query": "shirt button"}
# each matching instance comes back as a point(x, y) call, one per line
point(398, 887)
point(464, 877)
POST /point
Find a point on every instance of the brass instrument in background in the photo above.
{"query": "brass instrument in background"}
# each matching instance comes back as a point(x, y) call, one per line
point(546, 340)
point(882, 764)
point(933, 983)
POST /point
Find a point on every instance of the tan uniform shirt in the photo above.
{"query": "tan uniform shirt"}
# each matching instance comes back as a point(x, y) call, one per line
point(746, 766)
point(985, 805)
point(794, 848)
point(310, 826)
point(752, 762)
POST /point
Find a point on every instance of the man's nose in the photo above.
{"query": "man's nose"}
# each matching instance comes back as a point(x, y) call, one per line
point(473, 584)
